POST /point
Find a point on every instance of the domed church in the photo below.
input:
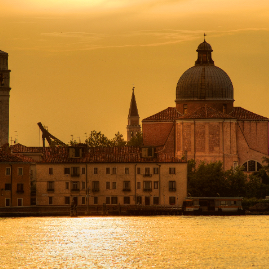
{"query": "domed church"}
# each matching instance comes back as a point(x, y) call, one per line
point(204, 125)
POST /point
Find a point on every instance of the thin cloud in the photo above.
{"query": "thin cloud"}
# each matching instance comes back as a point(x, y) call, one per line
point(83, 41)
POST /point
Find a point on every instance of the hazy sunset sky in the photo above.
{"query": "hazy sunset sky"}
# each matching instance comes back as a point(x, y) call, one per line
point(74, 62)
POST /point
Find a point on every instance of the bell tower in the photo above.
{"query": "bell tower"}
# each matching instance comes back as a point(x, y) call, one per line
point(133, 126)
point(4, 98)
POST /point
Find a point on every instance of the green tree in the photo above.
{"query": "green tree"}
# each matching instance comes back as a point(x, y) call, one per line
point(136, 141)
point(207, 180)
point(236, 180)
point(118, 140)
point(97, 139)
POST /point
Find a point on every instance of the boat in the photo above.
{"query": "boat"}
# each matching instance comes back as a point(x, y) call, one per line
point(213, 206)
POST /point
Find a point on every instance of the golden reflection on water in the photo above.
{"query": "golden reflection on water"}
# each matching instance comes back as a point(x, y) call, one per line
point(135, 242)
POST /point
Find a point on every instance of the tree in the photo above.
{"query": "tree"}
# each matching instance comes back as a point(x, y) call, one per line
point(117, 141)
point(136, 141)
point(97, 139)
point(207, 180)
point(211, 180)
point(237, 181)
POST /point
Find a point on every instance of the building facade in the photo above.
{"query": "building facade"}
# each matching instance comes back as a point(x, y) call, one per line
point(104, 176)
point(15, 184)
point(142, 183)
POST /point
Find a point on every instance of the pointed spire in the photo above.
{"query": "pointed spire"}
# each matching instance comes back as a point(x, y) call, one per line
point(133, 111)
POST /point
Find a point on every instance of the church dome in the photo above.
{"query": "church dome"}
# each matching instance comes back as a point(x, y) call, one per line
point(204, 81)
point(204, 46)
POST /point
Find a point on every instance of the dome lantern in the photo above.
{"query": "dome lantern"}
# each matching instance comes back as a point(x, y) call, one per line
point(204, 54)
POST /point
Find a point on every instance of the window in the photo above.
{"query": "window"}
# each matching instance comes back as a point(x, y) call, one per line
point(95, 170)
point(67, 185)
point(67, 171)
point(138, 170)
point(147, 170)
point(7, 187)
point(107, 200)
point(83, 185)
point(114, 185)
point(235, 164)
point(50, 200)
point(126, 200)
point(20, 171)
point(83, 200)
point(139, 200)
point(172, 186)
point(126, 185)
point(107, 171)
point(185, 109)
point(8, 171)
point(126, 170)
point(114, 170)
point(7, 202)
point(155, 200)
point(224, 108)
point(172, 170)
point(33, 201)
point(74, 171)
point(172, 200)
point(138, 185)
point(147, 200)
point(75, 185)
point(251, 166)
point(155, 170)
point(20, 188)
point(147, 186)
point(156, 185)
point(108, 185)
point(20, 202)
point(95, 186)
point(67, 200)
point(77, 152)
point(51, 171)
point(50, 186)
point(114, 200)
point(83, 171)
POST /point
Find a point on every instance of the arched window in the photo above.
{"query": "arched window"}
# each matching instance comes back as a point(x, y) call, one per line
point(251, 166)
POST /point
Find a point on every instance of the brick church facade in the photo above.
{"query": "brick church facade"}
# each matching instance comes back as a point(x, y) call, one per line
point(204, 125)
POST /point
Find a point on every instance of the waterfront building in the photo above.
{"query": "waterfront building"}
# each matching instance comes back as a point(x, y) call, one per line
point(16, 174)
point(204, 125)
point(123, 176)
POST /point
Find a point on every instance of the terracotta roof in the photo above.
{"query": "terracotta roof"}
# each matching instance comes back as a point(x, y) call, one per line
point(2, 52)
point(243, 114)
point(169, 114)
point(19, 148)
point(207, 112)
point(7, 157)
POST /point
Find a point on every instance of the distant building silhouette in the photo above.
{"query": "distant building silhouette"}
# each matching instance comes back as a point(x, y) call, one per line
point(133, 126)
point(4, 98)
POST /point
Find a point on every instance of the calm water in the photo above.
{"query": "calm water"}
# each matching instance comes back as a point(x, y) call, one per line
point(135, 242)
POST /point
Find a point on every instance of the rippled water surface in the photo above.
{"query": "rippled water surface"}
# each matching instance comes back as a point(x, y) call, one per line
point(135, 242)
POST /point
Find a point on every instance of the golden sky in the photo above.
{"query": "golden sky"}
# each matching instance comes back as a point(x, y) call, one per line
point(74, 62)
